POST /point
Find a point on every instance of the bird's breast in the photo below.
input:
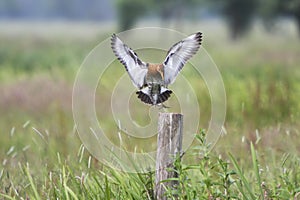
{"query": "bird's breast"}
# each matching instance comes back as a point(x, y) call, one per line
point(155, 74)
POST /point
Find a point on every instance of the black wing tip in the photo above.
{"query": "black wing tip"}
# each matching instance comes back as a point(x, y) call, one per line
point(198, 37)
point(198, 34)
point(113, 39)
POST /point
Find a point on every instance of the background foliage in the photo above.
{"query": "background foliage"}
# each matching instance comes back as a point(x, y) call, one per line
point(41, 156)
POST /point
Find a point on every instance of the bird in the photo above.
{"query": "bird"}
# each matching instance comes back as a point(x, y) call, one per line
point(152, 79)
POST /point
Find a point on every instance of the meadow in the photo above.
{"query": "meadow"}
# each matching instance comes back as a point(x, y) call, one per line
point(42, 157)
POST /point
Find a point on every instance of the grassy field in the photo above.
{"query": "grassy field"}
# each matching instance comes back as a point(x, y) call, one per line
point(41, 155)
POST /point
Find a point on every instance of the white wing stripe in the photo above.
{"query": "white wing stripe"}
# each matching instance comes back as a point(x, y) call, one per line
point(179, 54)
point(136, 68)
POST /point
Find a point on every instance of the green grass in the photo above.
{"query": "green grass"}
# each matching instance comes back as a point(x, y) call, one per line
point(41, 156)
point(78, 176)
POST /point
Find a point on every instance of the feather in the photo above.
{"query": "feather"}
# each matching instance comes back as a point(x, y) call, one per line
point(179, 54)
point(145, 97)
point(136, 68)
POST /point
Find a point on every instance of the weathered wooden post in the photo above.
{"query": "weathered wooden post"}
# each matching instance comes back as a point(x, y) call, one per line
point(169, 144)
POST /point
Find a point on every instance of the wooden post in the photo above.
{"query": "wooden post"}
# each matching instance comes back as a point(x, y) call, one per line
point(169, 144)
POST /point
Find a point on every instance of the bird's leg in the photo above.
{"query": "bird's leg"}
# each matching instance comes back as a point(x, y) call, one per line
point(162, 106)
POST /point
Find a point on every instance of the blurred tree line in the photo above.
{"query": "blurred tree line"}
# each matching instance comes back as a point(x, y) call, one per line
point(57, 9)
point(238, 14)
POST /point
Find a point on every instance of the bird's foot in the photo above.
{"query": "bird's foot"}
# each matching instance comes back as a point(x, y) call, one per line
point(162, 106)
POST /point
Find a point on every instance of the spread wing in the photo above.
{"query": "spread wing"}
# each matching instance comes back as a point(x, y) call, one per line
point(179, 54)
point(136, 68)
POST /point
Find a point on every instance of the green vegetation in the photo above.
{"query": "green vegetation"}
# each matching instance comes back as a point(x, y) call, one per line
point(238, 15)
point(41, 156)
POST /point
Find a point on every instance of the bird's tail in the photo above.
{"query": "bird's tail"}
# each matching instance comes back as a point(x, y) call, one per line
point(162, 97)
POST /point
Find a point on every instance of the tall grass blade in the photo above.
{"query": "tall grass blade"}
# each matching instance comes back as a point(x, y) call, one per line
point(31, 183)
point(243, 178)
point(68, 190)
point(256, 170)
point(107, 190)
point(6, 196)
